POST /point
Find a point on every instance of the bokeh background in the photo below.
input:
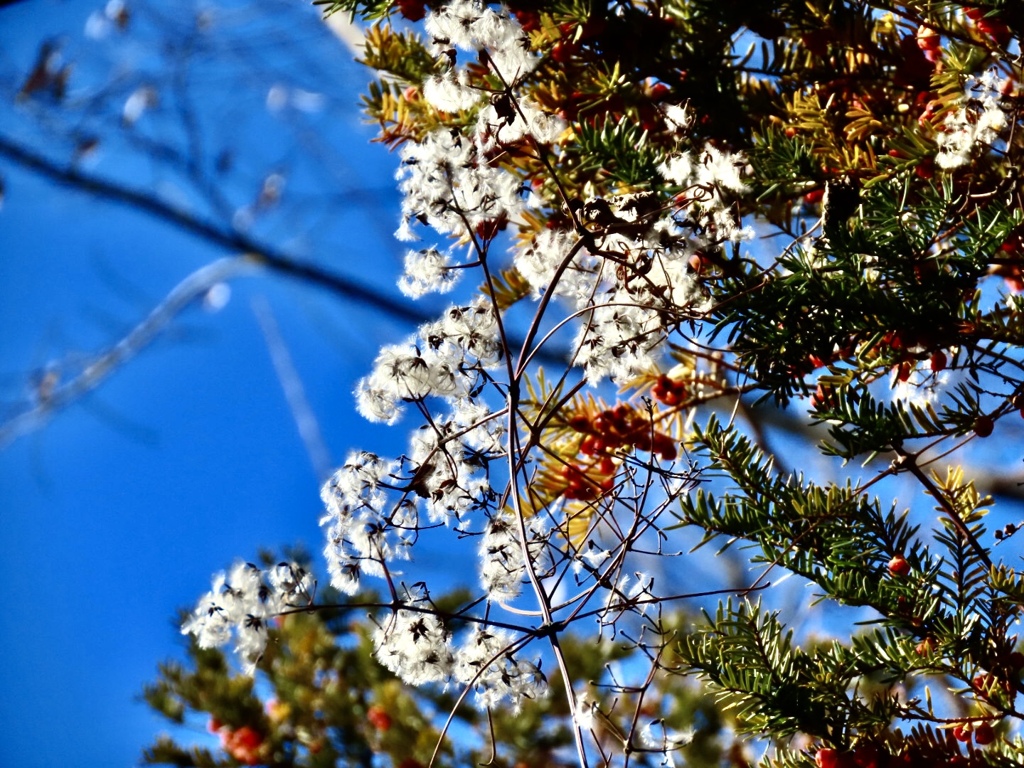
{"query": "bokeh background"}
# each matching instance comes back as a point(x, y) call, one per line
point(140, 142)
point(117, 509)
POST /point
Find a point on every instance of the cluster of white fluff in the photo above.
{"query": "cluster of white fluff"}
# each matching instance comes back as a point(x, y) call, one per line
point(242, 604)
point(366, 528)
point(447, 180)
point(443, 360)
point(494, 37)
point(502, 565)
point(974, 126)
point(658, 738)
point(447, 185)
point(707, 176)
point(625, 274)
point(486, 661)
point(415, 644)
point(427, 271)
point(631, 286)
point(631, 282)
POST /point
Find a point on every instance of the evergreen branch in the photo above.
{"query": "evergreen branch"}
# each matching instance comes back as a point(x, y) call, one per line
point(909, 462)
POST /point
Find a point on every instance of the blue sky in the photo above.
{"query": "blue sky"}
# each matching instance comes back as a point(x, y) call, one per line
point(120, 509)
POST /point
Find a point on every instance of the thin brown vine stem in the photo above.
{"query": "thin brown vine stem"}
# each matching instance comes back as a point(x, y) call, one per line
point(671, 598)
point(482, 253)
point(541, 155)
point(580, 313)
point(512, 648)
point(494, 742)
point(548, 409)
point(706, 352)
point(398, 605)
point(531, 333)
point(606, 580)
point(514, 450)
point(628, 747)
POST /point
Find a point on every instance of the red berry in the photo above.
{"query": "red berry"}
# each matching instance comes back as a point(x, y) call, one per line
point(983, 733)
point(899, 566)
point(665, 445)
point(642, 442)
point(698, 263)
point(995, 29)
point(243, 744)
point(659, 91)
point(579, 423)
point(962, 733)
point(893, 340)
point(927, 38)
point(937, 362)
point(528, 20)
point(820, 398)
point(826, 758)
point(563, 51)
point(668, 391)
point(578, 485)
point(983, 426)
point(1012, 246)
point(903, 370)
point(488, 228)
point(413, 10)
point(987, 685)
point(378, 718)
point(831, 758)
point(814, 196)
point(866, 756)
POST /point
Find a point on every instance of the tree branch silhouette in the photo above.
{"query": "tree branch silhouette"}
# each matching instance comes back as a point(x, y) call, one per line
point(226, 237)
point(52, 396)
